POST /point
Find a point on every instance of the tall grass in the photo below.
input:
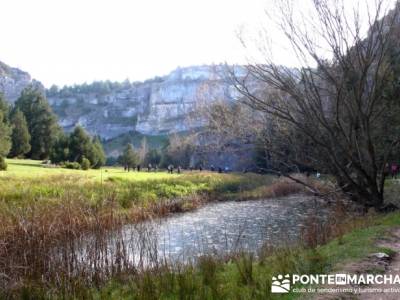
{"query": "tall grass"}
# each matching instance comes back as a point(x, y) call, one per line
point(62, 236)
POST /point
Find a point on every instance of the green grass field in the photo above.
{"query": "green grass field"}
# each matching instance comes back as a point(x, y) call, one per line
point(29, 180)
point(25, 168)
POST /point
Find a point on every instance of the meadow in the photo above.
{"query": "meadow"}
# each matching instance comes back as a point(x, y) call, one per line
point(28, 181)
point(48, 213)
point(43, 208)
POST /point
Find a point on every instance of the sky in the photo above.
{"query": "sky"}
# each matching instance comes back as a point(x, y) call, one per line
point(74, 41)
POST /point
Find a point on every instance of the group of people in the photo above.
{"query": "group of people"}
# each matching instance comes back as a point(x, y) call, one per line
point(200, 168)
point(138, 168)
point(171, 168)
point(219, 169)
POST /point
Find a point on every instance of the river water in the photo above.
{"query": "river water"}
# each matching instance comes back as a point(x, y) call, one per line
point(223, 227)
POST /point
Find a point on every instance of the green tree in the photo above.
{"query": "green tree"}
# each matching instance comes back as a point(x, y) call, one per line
point(97, 156)
point(4, 107)
point(3, 164)
point(130, 158)
point(20, 136)
point(5, 131)
point(153, 157)
point(85, 164)
point(60, 151)
point(42, 123)
point(5, 139)
point(76, 146)
point(80, 145)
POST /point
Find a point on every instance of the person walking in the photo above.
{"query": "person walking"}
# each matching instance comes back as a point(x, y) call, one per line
point(394, 170)
point(170, 169)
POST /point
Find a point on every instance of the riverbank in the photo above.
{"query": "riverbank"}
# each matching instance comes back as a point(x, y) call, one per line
point(244, 277)
point(47, 218)
point(45, 208)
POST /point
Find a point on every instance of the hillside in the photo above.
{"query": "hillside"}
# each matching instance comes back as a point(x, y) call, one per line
point(154, 107)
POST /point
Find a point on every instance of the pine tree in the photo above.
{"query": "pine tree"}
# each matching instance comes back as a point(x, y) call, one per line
point(129, 158)
point(5, 139)
point(42, 123)
point(60, 151)
point(80, 145)
point(99, 157)
point(20, 135)
point(4, 107)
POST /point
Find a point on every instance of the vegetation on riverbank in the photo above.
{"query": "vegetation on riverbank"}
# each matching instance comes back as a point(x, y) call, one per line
point(47, 215)
point(244, 277)
point(236, 276)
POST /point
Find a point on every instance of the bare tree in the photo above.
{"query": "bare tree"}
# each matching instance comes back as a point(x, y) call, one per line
point(333, 112)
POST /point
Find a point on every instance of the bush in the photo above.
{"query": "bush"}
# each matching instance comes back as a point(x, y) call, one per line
point(85, 164)
point(3, 164)
point(72, 165)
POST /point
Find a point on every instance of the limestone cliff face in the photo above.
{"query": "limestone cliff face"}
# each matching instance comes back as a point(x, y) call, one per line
point(13, 81)
point(153, 107)
point(157, 106)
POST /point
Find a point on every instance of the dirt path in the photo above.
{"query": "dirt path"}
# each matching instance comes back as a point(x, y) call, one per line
point(392, 268)
point(371, 265)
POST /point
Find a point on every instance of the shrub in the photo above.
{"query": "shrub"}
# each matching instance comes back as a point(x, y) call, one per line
point(72, 165)
point(85, 164)
point(3, 164)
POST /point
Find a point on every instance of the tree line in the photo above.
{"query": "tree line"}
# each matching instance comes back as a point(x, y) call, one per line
point(29, 129)
point(176, 151)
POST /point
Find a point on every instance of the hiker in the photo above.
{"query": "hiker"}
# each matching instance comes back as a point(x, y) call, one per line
point(148, 167)
point(138, 168)
point(394, 169)
point(200, 168)
point(170, 169)
point(179, 169)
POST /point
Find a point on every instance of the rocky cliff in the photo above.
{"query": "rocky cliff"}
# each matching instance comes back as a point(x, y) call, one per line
point(157, 106)
point(13, 81)
point(154, 107)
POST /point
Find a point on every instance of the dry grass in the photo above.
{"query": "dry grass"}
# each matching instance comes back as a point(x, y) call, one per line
point(55, 237)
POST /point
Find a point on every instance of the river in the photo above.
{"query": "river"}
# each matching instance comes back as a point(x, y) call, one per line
point(223, 227)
